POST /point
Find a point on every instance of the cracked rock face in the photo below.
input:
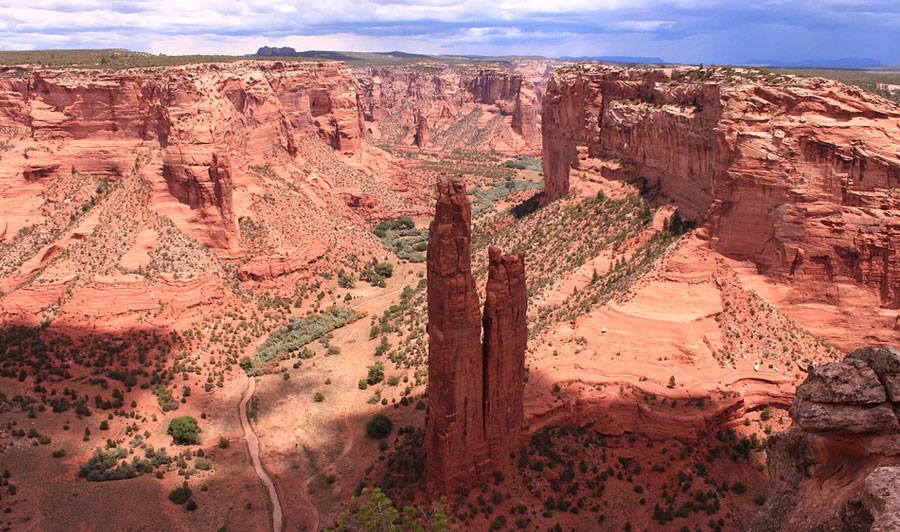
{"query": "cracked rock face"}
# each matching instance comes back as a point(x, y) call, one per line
point(836, 468)
point(885, 362)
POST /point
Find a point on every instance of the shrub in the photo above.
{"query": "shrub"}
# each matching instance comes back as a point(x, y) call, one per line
point(180, 495)
point(191, 505)
point(223, 442)
point(184, 430)
point(318, 397)
point(379, 426)
point(739, 488)
point(384, 269)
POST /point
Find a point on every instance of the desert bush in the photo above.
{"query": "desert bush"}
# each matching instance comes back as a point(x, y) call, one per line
point(184, 430)
point(180, 495)
point(379, 426)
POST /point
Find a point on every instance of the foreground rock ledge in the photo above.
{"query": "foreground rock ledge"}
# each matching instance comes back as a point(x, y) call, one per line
point(836, 468)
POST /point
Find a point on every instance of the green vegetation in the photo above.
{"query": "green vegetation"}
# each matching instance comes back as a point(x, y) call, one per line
point(115, 59)
point(289, 340)
point(180, 495)
point(373, 511)
point(404, 239)
point(184, 430)
point(379, 426)
point(112, 464)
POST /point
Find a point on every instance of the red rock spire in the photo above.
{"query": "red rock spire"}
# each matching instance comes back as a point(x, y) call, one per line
point(505, 338)
point(475, 391)
point(454, 428)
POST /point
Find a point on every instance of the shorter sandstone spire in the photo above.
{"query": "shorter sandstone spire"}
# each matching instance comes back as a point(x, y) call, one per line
point(505, 339)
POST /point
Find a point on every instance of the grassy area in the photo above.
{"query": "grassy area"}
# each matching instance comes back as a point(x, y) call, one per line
point(869, 80)
point(403, 238)
point(290, 339)
point(116, 59)
point(119, 59)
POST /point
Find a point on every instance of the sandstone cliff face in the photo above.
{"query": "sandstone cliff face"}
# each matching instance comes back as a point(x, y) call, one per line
point(795, 174)
point(201, 127)
point(482, 108)
point(475, 390)
point(835, 468)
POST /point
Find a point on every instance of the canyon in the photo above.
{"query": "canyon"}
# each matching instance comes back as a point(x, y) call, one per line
point(795, 174)
point(706, 250)
point(452, 107)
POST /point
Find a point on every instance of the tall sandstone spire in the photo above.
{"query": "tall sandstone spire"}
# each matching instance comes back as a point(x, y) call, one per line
point(454, 429)
point(475, 391)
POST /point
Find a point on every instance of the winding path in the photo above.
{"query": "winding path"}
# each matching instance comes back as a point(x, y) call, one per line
point(253, 447)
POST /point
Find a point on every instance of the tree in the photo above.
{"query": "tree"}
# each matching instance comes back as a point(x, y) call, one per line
point(384, 269)
point(184, 430)
point(373, 511)
point(379, 426)
point(346, 280)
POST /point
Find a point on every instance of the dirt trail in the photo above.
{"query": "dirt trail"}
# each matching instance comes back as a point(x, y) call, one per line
point(253, 447)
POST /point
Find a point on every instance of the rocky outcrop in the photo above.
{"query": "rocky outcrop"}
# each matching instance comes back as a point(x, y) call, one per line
point(421, 138)
point(200, 129)
point(794, 173)
point(455, 447)
point(835, 468)
point(505, 339)
point(474, 389)
point(442, 106)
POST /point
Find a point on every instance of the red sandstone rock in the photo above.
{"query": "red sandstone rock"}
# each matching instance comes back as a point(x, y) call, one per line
point(455, 446)
point(409, 105)
point(209, 125)
point(821, 469)
point(796, 174)
point(357, 199)
point(475, 391)
point(421, 138)
point(505, 339)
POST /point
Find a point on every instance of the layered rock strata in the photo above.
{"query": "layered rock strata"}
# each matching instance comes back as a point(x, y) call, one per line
point(198, 128)
point(445, 107)
point(836, 468)
point(475, 389)
point(796, 174)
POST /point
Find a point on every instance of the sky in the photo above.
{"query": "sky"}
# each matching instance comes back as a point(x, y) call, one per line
point(688, 31)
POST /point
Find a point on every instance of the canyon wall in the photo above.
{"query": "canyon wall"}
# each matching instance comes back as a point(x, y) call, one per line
point(837, 468)
point(474, 389)
point(194, 129)
point(448, 107)
point(796, 174)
